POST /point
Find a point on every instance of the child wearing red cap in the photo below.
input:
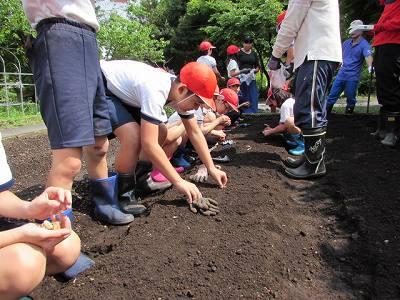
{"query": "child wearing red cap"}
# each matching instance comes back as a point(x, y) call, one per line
point(138, 94)
point(234, 84)
point(206, 49)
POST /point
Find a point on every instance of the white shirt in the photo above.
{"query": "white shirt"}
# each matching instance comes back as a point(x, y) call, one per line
point(207, 60)
point(232, 65)
point(314, 26)
point(6, 179)
point(286, 110)
point(140, 85)
point(81, 11)
point(199, 115)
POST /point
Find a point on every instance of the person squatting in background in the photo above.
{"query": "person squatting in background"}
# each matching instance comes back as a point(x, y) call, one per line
point(248, 59)
point(27, 250)
point(387, 70)
point(292, 134)
point(354, 50)
point(314, 26)
point(227, 101)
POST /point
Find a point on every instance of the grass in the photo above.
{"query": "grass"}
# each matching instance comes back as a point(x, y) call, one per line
point(16, 118)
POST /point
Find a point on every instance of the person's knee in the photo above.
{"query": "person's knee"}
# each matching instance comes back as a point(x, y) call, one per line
point(99, 149)
point(29, 265)
point(64, 254)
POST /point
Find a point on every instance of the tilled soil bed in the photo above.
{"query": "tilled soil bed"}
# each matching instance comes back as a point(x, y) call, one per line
point(332, 238)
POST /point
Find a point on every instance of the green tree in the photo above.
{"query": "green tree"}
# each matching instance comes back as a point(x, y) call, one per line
point(14, 28)
point(121, 38)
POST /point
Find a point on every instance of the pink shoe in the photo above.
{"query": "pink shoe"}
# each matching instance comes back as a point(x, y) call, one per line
point(157, 176)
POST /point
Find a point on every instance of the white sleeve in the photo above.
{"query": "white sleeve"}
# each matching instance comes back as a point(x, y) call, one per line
point(6, 179)
point(286, 111)
point(152, 107)
point(295, 15)
point(232, 66)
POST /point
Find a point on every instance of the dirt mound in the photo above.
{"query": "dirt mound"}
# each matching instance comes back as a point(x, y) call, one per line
point(336, 237)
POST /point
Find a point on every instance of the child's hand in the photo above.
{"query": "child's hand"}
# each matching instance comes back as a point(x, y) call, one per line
point(219, 176)
point(267, 131)
point(44, 238)
point(190, 190)
point(50, 202)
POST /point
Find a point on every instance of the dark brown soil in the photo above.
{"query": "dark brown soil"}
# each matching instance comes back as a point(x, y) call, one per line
point(333, 238)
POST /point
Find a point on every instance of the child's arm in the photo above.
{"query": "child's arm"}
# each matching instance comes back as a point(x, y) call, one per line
point(52, 201)
point(278, 129)
point(34, 234)
point(199, 142)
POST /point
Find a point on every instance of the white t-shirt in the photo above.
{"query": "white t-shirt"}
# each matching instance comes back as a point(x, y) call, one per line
point(81, 11)
point(232, 65)
point(207, 60)
point(286, 110)
point(6, 179)
point(140, 85)
point(199, 115)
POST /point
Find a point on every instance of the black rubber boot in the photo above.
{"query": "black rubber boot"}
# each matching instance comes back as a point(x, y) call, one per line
point(126, 195)
point(313, 164)
point(104, 197)
point(391, 127)
point(292, 162)
point(145, 185)
point(380, 132)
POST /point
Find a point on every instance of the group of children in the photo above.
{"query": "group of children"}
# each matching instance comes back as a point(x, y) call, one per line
point(85, 103)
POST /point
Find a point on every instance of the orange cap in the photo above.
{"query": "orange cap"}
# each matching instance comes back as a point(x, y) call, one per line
point(201, 80)
point(232, 49)
point(233, 81)
point(280, 18)
point(205, 45)
point(231, 98)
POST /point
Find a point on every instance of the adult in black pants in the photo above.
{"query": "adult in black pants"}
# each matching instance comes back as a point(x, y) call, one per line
point(387, 70)
point(314, 26)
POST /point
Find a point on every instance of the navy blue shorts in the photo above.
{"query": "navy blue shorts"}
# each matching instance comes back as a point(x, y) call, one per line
point(66, 70)
point(121, 113)
point(7, 224)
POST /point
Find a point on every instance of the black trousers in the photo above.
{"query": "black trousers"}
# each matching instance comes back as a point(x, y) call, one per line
point(387, 71)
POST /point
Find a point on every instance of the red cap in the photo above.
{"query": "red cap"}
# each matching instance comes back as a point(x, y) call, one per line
point(233, 81)
point(232, 49)
point(201, 80)
point(231, 98)
point(205, 45)
point(280, 18)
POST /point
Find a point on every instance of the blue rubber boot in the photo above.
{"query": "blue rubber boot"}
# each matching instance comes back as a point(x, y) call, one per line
point(105, 199)
point(292, 139)
point(178, 160)
point(81, 265)
point(299, 150)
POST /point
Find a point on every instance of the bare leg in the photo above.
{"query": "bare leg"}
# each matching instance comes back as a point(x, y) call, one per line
point(66, 164)
point(22, 269)
point(129, 149)
point(96, 158)
point(64, 255)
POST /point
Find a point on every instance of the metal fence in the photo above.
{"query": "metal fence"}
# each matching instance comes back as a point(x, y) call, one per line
point(14, 84)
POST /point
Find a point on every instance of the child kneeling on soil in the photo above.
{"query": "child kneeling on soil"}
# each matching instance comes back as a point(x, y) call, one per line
point(27, 250)
point(138, 94)
point(283, 99)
